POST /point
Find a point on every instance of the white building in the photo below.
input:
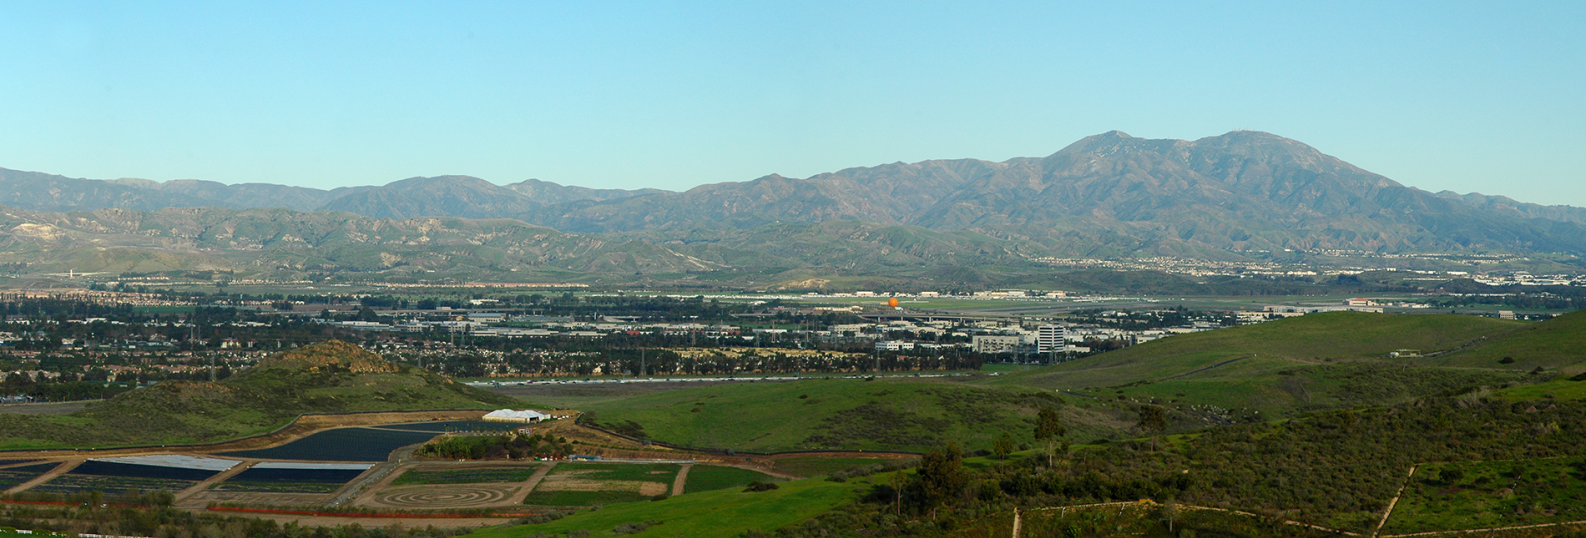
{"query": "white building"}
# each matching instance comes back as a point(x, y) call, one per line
point(526, 416)
point(1050, 338)
point(894, 345)
point(991, 343)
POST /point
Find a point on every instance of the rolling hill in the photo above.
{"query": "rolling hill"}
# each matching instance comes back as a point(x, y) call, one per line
point(329, 377)
point(1278, 368)
point(1555, 344)
point(841, 414)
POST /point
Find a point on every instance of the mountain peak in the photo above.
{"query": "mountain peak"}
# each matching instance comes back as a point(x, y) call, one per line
point(443, 180)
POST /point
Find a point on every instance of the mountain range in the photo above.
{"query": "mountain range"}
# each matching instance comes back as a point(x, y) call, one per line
point(1108, 195)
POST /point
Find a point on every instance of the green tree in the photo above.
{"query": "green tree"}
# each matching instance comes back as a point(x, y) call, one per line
point(1003, 446)
point(1049, 428)
point(1153, 421)
point(942, 477)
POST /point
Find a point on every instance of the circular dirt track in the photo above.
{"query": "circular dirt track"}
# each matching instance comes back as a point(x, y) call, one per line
point(462, 496)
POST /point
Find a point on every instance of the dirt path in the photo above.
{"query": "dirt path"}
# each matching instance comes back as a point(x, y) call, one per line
point(761, 469)
point(1394, 501)
point(533, 482)
point(682, 478)
point(218, 478)
point(46, 477)
point(366, 496)
point(373, 475)
point(1199, 370)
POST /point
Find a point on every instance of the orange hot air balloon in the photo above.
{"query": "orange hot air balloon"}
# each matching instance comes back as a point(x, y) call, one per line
point(893, 302)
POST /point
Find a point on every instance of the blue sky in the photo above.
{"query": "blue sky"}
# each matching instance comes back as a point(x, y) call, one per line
point(1466, 96)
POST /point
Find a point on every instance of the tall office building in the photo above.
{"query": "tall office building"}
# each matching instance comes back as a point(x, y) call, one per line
point(1050, 338)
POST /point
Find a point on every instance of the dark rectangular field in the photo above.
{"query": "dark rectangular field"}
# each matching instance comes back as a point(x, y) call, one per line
point(17, 476)
point(112, 485)
point(37, 469)
point(105, 468)
point(289, 480)
point(337, 476)
point(345, 444)
point(455, 425)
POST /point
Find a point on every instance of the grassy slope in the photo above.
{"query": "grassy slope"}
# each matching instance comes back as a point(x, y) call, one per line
point(1558, 343)
point(724, 513)
point(331, 377)
point(1492, 494)
point(714, 477)
point(891, 414)
point(1321, 360)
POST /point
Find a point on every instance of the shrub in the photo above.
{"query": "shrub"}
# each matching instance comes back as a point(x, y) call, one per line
point(758, 486)
point(541, 518)
point(631, 528)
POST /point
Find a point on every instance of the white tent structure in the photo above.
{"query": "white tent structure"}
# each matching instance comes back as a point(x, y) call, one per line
point(527, 416)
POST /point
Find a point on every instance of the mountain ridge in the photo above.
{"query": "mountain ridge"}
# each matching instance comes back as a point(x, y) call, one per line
point(1111, 192)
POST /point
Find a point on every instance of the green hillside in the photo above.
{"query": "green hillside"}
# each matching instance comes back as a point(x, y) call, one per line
point(1327, 360)
point(886, 414)
point(1558, 343)
point(329, 377)
point(724, 513)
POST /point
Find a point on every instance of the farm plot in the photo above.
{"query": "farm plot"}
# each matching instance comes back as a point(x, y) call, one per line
point(465, 475)
point(11, 477)
point(286, 477)
point(117, 476)
point(598, 484)
point(343, 444)
point(451, 426)
point(442, 496)
point(714, 477)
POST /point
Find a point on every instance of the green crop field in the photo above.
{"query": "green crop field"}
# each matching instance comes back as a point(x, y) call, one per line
point(1474, 495)
point(724, 513)
point(892, 414)
point(714, 477)
point(656, 472)
point(548, 495)
point(465, 476)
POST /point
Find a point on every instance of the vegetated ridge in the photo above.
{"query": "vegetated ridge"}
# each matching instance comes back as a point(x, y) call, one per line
point(329, 377)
